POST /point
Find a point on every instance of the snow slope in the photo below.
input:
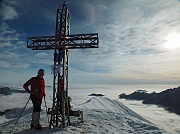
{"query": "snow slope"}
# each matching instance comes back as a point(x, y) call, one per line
point(101, 116)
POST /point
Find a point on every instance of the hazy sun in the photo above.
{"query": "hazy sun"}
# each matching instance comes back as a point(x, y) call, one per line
point(173, 41)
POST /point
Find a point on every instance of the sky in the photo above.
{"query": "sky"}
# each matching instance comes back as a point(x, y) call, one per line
point(139, 41)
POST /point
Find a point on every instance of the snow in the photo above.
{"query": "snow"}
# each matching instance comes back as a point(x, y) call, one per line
point(101, 116)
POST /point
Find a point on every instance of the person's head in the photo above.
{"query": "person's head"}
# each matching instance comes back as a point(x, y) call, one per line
point(41, 73)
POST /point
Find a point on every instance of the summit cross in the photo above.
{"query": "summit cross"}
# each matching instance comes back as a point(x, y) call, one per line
point(61, 43)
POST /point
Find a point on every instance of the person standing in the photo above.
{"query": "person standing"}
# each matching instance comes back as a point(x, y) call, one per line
point(37, 92)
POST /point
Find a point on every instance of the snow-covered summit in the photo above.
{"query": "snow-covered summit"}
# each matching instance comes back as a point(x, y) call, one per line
point(101, 116)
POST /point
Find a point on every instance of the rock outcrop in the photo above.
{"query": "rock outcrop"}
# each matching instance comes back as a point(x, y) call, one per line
point(5, 91)
point(93, 94)
point(169, 99)
point(9, 91)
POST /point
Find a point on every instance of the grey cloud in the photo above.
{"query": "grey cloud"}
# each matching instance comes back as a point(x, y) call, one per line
point(7, 35)
point(8, 12)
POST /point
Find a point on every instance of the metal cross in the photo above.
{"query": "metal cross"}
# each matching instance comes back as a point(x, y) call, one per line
point(61, 43)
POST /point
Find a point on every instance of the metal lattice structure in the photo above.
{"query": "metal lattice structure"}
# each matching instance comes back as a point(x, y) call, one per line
point(60, 43)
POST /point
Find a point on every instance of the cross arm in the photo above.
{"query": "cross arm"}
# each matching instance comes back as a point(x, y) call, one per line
point(75, 41)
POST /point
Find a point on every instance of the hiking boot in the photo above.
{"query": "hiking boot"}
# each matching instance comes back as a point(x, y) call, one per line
point(31, 125)
point(38, 126)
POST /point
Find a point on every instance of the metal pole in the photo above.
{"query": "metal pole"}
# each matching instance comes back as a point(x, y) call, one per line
point(46, 109)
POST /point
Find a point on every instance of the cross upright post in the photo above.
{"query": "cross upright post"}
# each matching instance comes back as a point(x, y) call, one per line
point(60, 43)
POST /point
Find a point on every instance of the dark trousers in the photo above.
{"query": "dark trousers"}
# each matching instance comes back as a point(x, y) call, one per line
point(36, 104)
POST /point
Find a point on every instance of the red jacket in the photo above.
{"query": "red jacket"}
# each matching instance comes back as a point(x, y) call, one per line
point(37, 87)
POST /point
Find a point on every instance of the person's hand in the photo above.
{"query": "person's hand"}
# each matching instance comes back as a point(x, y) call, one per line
point(31, 93)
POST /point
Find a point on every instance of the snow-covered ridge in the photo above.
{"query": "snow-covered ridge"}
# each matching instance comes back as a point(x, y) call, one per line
point(106, 104)
point(101, 116)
